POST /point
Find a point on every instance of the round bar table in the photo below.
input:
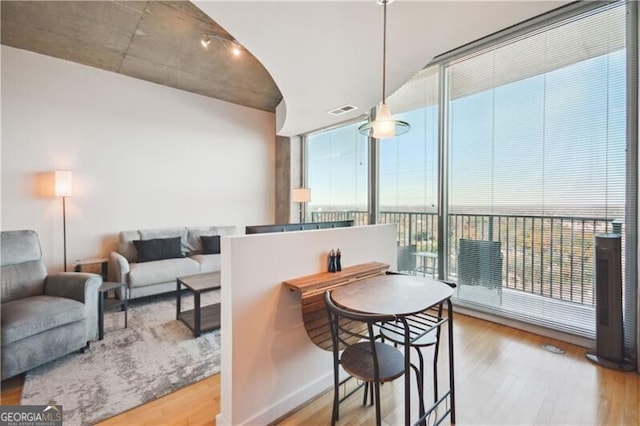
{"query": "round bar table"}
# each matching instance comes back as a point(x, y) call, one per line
point(402, 296)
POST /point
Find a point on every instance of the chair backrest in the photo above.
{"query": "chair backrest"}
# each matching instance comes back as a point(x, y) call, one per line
point(480, 263)
point(23, 271)
point(349, 327)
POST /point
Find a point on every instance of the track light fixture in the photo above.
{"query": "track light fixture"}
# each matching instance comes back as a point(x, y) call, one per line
point(234, 47)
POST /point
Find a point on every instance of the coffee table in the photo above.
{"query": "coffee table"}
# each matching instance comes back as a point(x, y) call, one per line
point(200, 318)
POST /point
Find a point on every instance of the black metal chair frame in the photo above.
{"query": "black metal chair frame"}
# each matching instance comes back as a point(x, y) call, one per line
point(348, 337)
point(421, 326)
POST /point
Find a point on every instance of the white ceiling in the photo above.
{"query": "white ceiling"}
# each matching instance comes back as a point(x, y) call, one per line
point(324, 54)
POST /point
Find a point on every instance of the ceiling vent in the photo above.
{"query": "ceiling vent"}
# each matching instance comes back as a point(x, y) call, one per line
point(343, 109)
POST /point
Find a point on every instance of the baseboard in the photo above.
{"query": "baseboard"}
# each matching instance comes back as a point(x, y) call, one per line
point(284, 406)
point(221, 421)
point(531, 328)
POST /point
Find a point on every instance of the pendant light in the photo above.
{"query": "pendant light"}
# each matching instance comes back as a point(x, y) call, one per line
point(384, 125)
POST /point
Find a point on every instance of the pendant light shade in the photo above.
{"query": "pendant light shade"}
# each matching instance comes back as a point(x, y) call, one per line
point(384, 125)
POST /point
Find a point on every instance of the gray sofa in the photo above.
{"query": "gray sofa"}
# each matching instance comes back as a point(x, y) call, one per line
point(159, 276)
point(43, 316)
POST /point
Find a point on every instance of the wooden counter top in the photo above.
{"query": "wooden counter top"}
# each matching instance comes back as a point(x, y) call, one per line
point(312, 288)
point(319, 282)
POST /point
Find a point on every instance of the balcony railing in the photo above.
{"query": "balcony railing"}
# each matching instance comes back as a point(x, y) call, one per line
point(551, 256)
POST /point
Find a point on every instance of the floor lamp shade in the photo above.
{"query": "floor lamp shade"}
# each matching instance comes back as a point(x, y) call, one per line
point(63, 186)
point(301, 195)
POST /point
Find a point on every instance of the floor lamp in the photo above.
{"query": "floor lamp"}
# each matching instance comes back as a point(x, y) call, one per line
point(63, 189)
point(302, 196)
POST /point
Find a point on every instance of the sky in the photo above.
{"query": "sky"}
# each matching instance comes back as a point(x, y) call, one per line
point(553, 139)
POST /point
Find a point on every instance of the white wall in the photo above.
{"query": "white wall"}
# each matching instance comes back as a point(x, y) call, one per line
point(142, 156)
point(269, 365)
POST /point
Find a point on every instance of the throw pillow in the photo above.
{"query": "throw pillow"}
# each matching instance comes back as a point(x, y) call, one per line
point(210, 245)
point(158, 249)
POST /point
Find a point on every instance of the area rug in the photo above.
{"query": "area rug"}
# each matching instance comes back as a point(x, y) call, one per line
point(154, 356)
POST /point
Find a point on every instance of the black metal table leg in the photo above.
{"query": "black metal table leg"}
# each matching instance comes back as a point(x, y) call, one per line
point(126, 306)
point(178, 299)
point(101, 296)
point(407, 375)
point(196, 312)
point(451, 373)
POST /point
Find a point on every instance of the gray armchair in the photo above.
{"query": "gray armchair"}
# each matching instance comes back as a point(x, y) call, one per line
point(43, 316)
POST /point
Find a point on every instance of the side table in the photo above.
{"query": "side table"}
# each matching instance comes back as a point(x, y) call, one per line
point(200, 318)
point(93, 265)
point(105, 302)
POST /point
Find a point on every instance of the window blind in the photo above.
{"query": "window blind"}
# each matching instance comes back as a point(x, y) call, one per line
point(337, 174)
point(537, 142)
point(409, 173)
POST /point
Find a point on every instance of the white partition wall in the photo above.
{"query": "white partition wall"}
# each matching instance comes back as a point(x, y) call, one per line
point(269, 365)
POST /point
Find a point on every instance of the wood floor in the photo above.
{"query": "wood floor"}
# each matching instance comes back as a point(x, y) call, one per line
point(503, 376)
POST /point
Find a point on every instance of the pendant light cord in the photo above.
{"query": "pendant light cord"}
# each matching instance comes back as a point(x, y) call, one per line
point(384, 51)
point(381, 123)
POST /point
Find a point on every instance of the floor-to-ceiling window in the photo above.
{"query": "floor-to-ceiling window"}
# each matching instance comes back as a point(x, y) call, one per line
point(408, 171)
point(537, 141)
point(531, 126)
point(337, 167)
